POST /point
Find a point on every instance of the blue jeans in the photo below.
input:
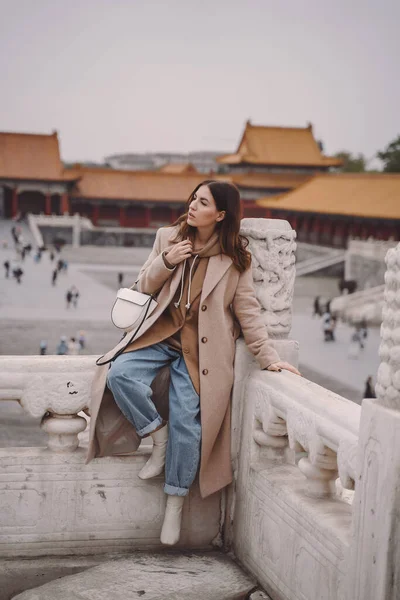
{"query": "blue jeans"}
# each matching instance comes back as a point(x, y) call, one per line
point(129, 379)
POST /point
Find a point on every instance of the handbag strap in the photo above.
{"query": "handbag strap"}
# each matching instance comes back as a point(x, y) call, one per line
point(131, 338)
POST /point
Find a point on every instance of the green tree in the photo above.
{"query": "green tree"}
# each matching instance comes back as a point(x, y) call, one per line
point(352, 163)
point(391, 157)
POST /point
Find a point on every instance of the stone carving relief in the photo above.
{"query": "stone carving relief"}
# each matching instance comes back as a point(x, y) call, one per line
point(388, 380)
point(272, 244)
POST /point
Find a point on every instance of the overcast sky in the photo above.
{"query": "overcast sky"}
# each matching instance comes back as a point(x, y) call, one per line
point(117, 76)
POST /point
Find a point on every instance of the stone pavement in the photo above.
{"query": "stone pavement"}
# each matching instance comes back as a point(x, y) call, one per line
point(186, 576)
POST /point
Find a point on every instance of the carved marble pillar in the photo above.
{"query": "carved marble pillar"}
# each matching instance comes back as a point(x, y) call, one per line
point(374, 572)
point(272, 244)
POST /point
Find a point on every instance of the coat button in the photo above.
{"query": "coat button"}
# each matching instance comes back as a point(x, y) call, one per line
point(186, 350)
point(204, 307)
point(205, 371)
point(204, 340)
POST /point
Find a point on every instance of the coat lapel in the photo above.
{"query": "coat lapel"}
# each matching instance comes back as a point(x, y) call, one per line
point(216, 269)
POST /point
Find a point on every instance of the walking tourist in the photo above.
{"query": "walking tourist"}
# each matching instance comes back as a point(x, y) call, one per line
point(62, 347)
point(82, 340)
point(7, 268)
point(120, 279)
point(317, 307)
point(73, 346)
point(356, 343)
point(75, 296)
point(193, 332)
point(68, 298)
point(369, 391)
point(328, 326)
point(54, 277)
point(43, 347)
point(17, 273)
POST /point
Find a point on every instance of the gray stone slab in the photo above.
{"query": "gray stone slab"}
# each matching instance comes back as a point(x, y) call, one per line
point(169, 576)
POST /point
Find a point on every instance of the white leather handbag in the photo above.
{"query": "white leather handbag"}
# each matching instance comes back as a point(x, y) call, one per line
point(131, 308)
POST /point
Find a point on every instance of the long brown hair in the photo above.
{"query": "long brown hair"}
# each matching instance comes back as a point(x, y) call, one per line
point(227, 198)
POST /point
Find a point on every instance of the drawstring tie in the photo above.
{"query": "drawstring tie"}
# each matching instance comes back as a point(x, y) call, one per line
point(177, 304)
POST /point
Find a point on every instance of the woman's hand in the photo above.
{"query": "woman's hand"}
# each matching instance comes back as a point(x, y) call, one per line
point(278, 366)
point(179, 252)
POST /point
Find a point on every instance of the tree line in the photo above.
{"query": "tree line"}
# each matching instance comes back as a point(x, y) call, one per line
point(358, 163)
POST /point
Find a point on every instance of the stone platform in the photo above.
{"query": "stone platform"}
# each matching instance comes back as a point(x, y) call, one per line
point(164, 576)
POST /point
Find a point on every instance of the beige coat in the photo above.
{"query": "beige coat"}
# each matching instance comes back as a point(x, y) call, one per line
point(227, 304)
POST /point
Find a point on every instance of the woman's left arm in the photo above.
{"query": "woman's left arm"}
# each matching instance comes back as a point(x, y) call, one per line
point(247, 311)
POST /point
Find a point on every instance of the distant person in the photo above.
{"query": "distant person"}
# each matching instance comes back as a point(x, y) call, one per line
point(120, 279)
point(62, 347)
point(68, 298)
point(17, 273)
point(43, 347)
point(369, 391)
point(60, 264)
point(65, 266)
point(317, 307)
point(38, 256)
point(333, 327)
point(7, 268)
point(73, 347)
point(54, 277)
point(28, 248)
point(364, 330)
point(82, 339)
point(14, 234)
point(75, 296)
point(327, 327)
point(52, 256)
point(355, 344)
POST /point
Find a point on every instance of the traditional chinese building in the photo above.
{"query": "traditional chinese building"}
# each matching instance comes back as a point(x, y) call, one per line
point(273, 160)
point(330, 208)
point(280, 172)
point(32, 177)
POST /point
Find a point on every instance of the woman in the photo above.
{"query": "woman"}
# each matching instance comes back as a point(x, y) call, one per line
point(201, 272)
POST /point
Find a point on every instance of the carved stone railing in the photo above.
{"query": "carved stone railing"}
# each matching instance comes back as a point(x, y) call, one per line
point(52, 503)
point(315, 512)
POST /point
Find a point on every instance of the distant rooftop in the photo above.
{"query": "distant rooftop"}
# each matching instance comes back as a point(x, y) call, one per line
point(286, 146)
point(370, 195)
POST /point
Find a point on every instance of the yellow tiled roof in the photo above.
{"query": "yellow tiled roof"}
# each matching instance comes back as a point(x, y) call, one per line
point(294, 146)
point(30, 156)
point(177, 168)
point(269, 180)
point(371, 195)
point(136, 185)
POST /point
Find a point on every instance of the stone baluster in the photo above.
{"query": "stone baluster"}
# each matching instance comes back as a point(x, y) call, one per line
point(54, 388)
point(316, 461)
point(374, 572)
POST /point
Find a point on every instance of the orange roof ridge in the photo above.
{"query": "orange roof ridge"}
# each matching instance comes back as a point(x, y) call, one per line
point(29, 134)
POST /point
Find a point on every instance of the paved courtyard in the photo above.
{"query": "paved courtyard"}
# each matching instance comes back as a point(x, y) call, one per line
point(36, 310)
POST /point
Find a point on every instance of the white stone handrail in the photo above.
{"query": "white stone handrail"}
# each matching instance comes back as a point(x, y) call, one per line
point(54, 387)
point(317, 422)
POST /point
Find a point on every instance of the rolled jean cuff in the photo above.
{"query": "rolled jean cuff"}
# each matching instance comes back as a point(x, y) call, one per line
point(171, 490)
point(150, 427)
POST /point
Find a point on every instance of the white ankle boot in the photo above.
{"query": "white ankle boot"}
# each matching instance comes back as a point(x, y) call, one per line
point(171, 528)
point(156, 462)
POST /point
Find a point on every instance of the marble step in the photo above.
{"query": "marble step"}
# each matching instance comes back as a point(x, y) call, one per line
point(166, 576)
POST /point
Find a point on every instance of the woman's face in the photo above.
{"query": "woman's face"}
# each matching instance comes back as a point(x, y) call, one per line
point(202, 210)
